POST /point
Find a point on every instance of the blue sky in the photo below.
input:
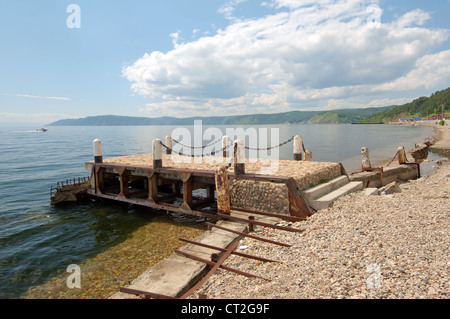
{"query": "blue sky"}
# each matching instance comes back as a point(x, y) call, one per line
point(212, 57)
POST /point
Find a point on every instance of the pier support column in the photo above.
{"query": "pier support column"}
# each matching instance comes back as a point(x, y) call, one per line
point(169, 144)
point(401, 155)
point(222, 190)
point(188, 187)
point(365, 158)
point(157, 153)
point(124, 178)
point(239, 157)
point(152, 187)
point(98, 156)
point(226, 147)
point(298, 148)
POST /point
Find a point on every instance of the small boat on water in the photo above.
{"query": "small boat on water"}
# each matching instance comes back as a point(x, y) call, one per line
point(41, 130)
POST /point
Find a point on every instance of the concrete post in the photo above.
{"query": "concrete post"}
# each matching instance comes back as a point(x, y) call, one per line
point(239, 157)
point(169, 144)
point(401, 155)
point(157, 153)
point(226, 146)
point(98, 156)
point(298, 148)
point(308, 156)
point(365, 158)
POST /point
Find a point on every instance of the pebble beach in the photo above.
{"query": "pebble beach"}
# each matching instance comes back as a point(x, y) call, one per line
point(389, 246)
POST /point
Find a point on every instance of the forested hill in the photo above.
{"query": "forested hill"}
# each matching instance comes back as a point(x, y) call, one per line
point(317, 117)
point(422, 107)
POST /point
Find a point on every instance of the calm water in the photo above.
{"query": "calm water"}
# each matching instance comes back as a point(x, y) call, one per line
point(38, 241)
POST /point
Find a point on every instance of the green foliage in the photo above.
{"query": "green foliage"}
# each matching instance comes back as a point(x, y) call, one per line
point(418, 108)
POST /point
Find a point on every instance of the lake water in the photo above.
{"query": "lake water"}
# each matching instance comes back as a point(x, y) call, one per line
point(38, 241)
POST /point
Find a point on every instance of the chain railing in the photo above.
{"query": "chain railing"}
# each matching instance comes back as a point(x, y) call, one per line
point(212, 153)
point(272, 147)
point(224, 147)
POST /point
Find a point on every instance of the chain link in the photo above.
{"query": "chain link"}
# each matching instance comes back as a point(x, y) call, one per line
point(396, 154)
point(199, 147)
point(223, 148)
point(193, 155)
point(392, 159)
point(272, 147)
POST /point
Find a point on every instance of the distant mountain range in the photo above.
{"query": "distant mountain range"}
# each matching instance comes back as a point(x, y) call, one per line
point(421, 107)
point(315, 117)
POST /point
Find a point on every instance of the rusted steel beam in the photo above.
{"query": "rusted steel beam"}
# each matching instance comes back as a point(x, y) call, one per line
point(297, 204)
point(154, 205)
point(145, 294)
point(294, 230)
point(212, 271)
point(372, 169)
point(222, 190)
point(211, 263)
point(284, 217)
point(223, 250)
point(248, 235)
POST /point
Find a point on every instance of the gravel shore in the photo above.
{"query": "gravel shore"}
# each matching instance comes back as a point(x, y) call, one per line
point(364, 247)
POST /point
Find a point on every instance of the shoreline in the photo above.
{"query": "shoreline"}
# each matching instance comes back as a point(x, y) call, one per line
point(442, 137)
point(439, 137)
point(362, 247)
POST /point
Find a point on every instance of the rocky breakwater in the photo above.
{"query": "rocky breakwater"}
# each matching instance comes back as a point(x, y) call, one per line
point(273, 197)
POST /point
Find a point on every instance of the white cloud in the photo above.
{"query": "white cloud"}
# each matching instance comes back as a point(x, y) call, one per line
point(307, 51)
point(430, 71)
point(228, 9)
point(44, 97)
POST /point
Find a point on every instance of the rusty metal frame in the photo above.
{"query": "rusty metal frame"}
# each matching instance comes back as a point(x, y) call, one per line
point(219, 263)
point(212, 271)
point(189, 178)
point(144, 294)
point(232, 253)
point(284, 217)
point(254, 222)
point(248, 235)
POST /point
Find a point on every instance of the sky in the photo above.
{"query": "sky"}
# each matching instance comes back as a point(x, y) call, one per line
point(71, 59)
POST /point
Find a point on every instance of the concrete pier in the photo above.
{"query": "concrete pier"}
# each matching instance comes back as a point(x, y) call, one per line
point(159, 182)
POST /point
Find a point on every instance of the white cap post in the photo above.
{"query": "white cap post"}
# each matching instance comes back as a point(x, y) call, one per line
point(239, 157)
point(157, 153)
point(98, 156)
point(298, 148)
